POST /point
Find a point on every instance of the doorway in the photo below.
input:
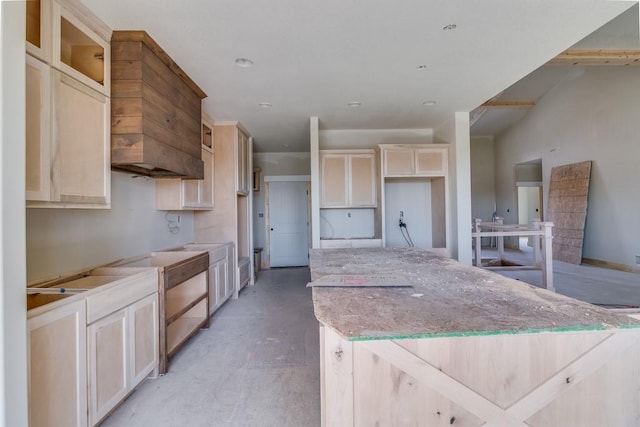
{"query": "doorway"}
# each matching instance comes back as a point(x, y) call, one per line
point(287, 223)
point(529, 193)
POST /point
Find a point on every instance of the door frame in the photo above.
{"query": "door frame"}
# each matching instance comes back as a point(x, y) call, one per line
point(266, 259)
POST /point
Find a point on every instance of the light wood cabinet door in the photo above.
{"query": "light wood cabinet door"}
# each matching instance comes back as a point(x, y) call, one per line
point(108, 364)
point(188, 194)
point(81, 123)
point(38, 29)
point(399, 162)
point(243, 163)
point(230, 282)
point(334, 180)
point(143, 338)
point(58, 367)
point(431, 161)
point(79, 51)
point(348, 179)
point(362, 180)
point(38, 136)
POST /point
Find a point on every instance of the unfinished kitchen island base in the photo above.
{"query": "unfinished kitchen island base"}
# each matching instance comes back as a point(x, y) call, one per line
point(466, 347)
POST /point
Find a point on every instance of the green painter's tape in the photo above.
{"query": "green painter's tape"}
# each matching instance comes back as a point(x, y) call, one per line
point(489, 333)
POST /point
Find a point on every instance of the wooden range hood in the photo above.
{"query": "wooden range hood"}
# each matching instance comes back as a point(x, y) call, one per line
point(156, 110)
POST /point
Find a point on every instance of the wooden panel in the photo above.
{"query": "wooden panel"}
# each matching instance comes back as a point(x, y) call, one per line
point(438, 213)
point(362, 189)
point(58, 367)
point(585, 379)
point(81, 126)
point(337, 379)
point(431, 161)
point(333, 180)
point(143, 37)
point(398, 162)
point(143, 331)
point(567, 209)
point(168, 118)
point(107, 364)
point(207, 185)
point(38, 122)
point(178, 273)
point(154, 158)
point(109, 300)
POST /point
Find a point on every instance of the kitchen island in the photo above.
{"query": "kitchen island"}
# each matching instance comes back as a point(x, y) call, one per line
point(465, 347)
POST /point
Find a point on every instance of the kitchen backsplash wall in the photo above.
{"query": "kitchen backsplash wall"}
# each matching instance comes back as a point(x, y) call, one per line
point(67, 240)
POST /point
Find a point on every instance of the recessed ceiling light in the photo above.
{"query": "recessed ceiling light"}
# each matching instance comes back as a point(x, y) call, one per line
point(429, 103)
point(449, 27)
point(354, 104)
point(422, 67)
point(243, 62)
point(265, 105)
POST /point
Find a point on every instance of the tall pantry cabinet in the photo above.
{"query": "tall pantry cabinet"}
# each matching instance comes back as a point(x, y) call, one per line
point(68, 115)
point(231, 219)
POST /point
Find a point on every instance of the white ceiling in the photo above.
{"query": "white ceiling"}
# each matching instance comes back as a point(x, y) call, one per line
point(312, 58)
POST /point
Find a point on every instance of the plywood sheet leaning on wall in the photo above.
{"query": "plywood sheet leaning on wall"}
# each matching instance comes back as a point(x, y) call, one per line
point(568, 195)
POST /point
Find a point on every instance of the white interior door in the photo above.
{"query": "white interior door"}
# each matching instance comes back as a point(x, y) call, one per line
point(288, 222)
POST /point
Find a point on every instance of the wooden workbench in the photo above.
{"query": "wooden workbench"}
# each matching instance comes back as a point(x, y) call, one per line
point(466, 347)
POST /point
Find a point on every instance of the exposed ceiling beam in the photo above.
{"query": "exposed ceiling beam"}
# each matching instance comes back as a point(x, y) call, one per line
point(597, 57)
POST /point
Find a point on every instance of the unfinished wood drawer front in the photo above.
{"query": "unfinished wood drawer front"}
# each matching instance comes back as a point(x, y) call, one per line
point(108, 361)
point(399, 162)
point(58, 367)
point(431, 161)
point(106, 302)
point(334, 180)
point(81, 167)
point(182, 271)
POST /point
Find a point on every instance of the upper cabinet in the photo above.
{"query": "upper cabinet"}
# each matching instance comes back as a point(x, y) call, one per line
point(347, 179)
point(190, 194)
point(156, 111)
point(67, 107)
point(418, 160)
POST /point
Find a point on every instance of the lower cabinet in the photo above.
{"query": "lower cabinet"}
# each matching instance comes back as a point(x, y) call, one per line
point(58, 366)
point(122, 352)
point(89, 350)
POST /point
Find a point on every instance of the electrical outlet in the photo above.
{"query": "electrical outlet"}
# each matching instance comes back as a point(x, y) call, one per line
point(349, 214)
point(178, 219)
point(401, 214)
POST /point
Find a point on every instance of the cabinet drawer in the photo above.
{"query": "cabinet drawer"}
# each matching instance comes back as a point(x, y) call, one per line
point(109, 300)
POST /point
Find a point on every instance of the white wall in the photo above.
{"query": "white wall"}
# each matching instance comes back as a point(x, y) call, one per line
point(593, 116)
point(370, 138)
point(274, 164)
point(483, 183)
point(413, 198)
point(13, 305)
point(67, 240)
point(459, 219)
point(346, 223)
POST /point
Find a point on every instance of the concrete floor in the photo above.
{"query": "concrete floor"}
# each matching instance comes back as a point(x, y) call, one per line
point(257, 365)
